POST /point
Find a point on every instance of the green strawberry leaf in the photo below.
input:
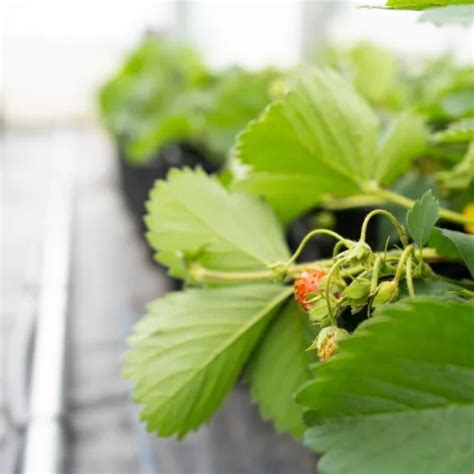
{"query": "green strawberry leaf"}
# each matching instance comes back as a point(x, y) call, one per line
point(459, 131)
point(426, 287)
point(460, 176)
point(411, 185)
point(450, 243)
point(422, 4)
point(164, 130)
point(399, 396)
point(422, 217)
point(145, 92)
point(238, 97)
point(405, 140)
point(189, 350)
point(191, 215)
point(361, 62)
point(320, 140)
point(443, 246)
point(282, 353)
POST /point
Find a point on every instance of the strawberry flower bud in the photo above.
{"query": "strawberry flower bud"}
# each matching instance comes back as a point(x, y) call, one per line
point(358, 290)
point(357, 294)
point(359, 252)
point(387, 291)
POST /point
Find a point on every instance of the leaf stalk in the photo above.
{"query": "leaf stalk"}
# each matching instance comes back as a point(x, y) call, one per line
point(376, 196)
point(403, 201)
point(202, 274)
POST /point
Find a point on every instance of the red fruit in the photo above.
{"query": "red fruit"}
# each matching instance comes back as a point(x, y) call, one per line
point(306, 286)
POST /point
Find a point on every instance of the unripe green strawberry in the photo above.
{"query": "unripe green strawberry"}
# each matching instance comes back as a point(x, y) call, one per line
point(306, 287)
point(327, 341)
point(387, 291)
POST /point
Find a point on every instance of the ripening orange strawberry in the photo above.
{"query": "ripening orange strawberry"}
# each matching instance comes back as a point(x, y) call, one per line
point(306, 286)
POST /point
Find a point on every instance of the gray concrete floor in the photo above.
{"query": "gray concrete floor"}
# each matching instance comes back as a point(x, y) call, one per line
point(111, 279)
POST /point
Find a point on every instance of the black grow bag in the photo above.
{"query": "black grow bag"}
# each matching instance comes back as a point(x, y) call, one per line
point(137, 181)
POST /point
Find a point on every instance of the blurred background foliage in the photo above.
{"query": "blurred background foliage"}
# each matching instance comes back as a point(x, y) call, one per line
point(166, 93)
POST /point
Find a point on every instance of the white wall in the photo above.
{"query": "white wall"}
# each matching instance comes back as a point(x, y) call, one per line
point(400, 31)
point(56, 52)
point(249, 33)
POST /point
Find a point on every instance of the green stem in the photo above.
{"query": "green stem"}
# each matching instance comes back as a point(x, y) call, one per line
point(202, 274)
point(376, 196)
point(313, 233)
point(375, 274)
point(403, 201)
point(467, 284)
point(362, 200)
point(391, 218)
point(327, 294)
point(325, 263)
point(336, 249)
point(199, 273)
point(409, 276)
point(403, 260)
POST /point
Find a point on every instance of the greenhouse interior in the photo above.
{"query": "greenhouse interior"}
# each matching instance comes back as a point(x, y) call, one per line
point(237, 237)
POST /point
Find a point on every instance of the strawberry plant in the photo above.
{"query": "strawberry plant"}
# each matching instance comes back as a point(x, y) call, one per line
point(166, 109)
point(366, 355)
point(164, 93)
point(143, 92)
point(439, 89)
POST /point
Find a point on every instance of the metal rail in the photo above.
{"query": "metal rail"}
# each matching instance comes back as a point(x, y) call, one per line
point(44, 449)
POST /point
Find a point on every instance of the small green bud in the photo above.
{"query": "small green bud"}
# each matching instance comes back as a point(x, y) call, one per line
point(387, 291)
point(360, 252)
point(327, 341)
point(358, 290)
